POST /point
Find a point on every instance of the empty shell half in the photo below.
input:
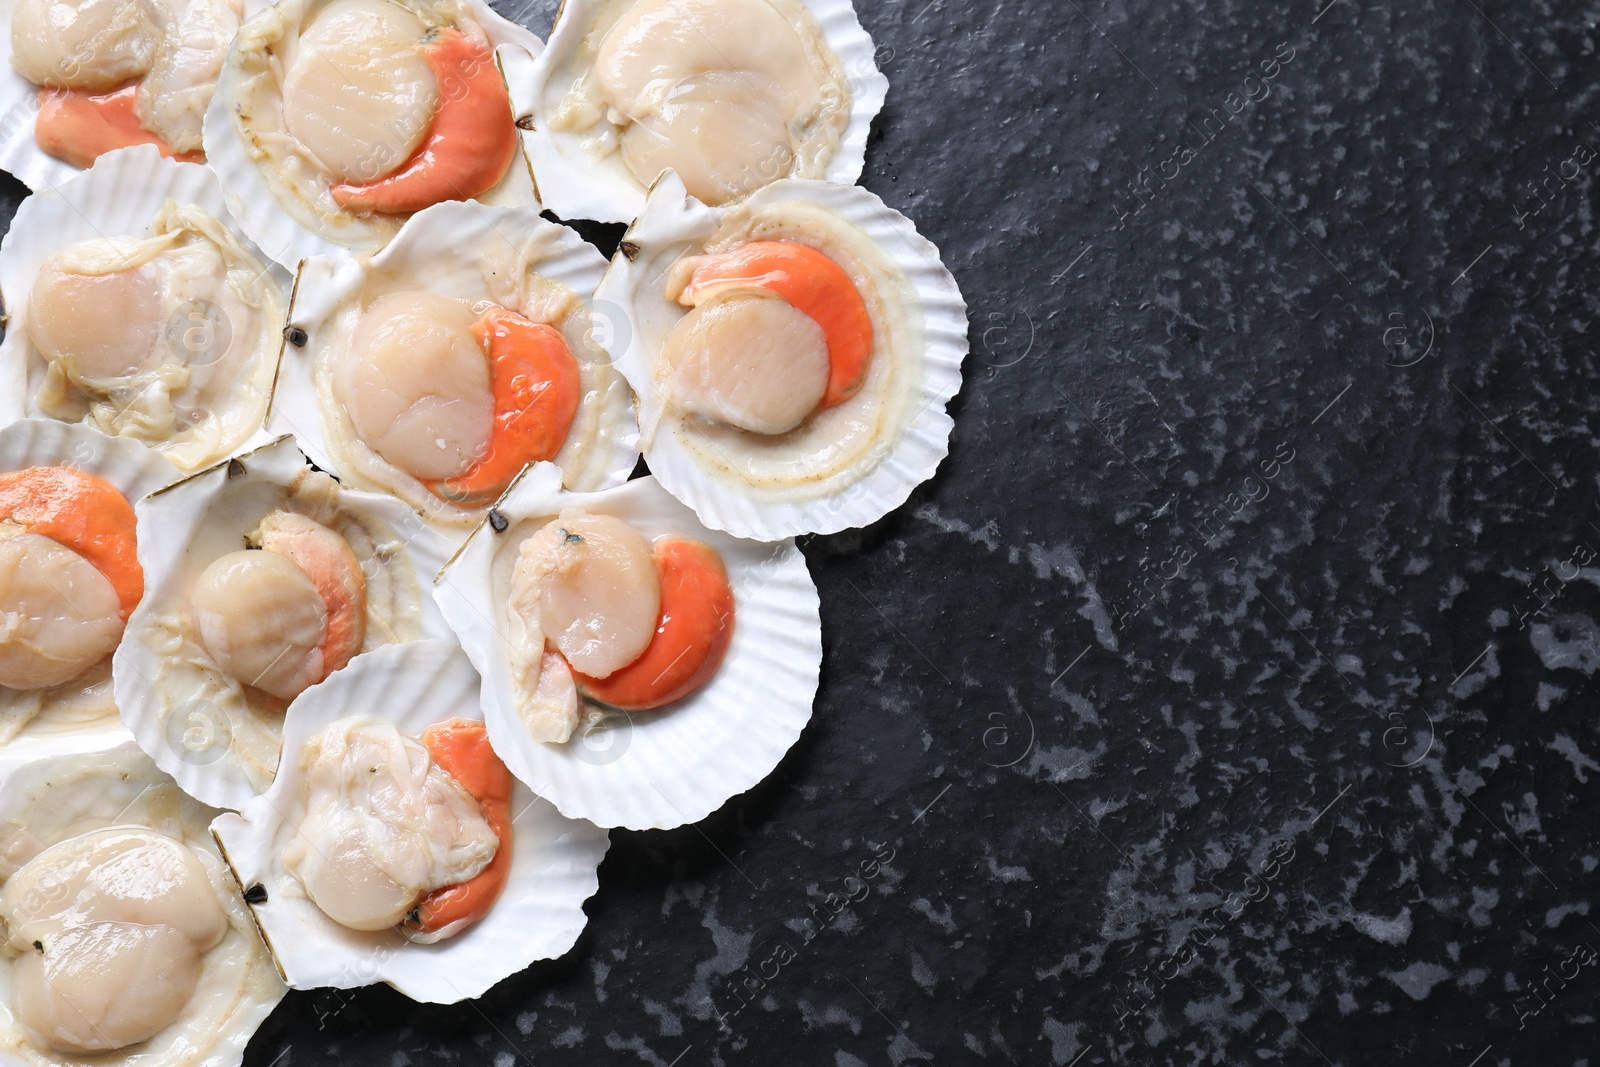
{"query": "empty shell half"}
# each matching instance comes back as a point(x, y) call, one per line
point(440, 367)
point(730, 94)
point(336, 120)
point(578, 606)
point(70, 577)
point(263, 577)
point(127, 941)
point(394, 847)
point(79, 79)
point(138, 309)
point(791, 354)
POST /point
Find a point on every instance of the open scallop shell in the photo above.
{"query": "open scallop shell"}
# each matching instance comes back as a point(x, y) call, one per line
point(676, 765)
point(576, 185)
point(286, 228)
point(71, 791)
point(38, 720)
point(538, 916)
point(220, 739)
point(121, 196)
point(506, 256)
point(920, 325)
point(20, 154)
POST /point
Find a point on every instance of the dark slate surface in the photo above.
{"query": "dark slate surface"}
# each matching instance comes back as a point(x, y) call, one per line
point(1229, 696)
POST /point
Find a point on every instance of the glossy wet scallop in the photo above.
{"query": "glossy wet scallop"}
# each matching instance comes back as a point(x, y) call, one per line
point(386, 848)
point(95, 326)
point(727, 391)
point(359, 95)
point(725, 92)
point(416, 384)
point(266, 578)
point(59, 615)
point(439, 368)
point(88, 44)
point(707, 707)
point(286, 615)
point(262, 620)
point(593, 580)
point(327, 559)
point(111, 928)
point(125, 941)
point(729, 95)
point(384, 825)
point(120, 72)
point(337, 120)
point(750, 360)
point(167, 332)
point(69, 573)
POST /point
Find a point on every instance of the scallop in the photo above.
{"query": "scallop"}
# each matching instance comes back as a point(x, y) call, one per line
point(137, 310)
point(269, 577)
point(751, 361)
point(110, 74)
point(639, 668)
point(384, 826)
point(359, 88)
point(394, 845)
point(592, 580)
point(59, 616)
point(792, 354)
point(336, 120)
point(69, 575)
point(125, 917)
point(126, 939)
point(416, 384)
point(730, 95)
point(438, 369)
point(263, 621)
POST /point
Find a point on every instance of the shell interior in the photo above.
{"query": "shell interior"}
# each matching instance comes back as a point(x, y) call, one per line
point(678, 764)
point(539, 914)
point(81, 711)
point(218, 738)
point(289, 230)
point(68, 791)
point(122, 195)
point(510, 257)
point(805, 481)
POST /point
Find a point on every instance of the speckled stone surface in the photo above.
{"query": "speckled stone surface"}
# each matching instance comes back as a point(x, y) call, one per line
point(1230, 695)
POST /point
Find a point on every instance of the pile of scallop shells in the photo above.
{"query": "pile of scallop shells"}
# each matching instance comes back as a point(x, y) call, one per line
point(338, 619)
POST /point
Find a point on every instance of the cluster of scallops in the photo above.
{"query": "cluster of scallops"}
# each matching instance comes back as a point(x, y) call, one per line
point(335, 631)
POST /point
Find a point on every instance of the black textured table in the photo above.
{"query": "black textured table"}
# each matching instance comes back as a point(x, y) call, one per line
point(1229, 697)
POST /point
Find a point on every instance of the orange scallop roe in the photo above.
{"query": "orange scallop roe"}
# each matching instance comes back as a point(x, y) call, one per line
point(78, 127)
point(84, 513)
point(691, 638)
point(469, 146)
point(461, 748)
point(813, 284)
point(327, 559)
point(535, 383)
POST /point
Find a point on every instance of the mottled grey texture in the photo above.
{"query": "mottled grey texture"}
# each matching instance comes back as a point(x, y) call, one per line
point(1326, 789)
